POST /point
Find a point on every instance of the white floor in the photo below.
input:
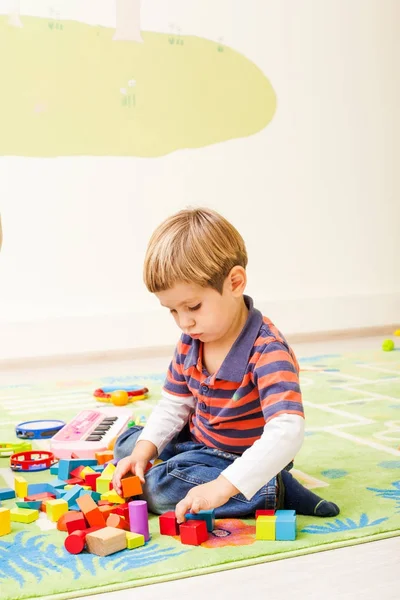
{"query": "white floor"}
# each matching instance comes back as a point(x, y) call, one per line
point(367, 571)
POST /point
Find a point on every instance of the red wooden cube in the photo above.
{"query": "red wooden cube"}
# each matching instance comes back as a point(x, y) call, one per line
point(266, 513)
point(75, 522)
point(90, 479)
point(168, 524)
point(194, 533)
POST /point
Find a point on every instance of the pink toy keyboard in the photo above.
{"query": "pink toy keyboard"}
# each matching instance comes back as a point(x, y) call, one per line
point(90, 431)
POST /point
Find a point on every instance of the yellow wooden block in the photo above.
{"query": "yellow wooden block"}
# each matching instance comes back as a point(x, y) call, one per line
point(24, 515)
point(102, 485)
point(108, 472)
point(5, 521)
point(134, 540)
point(265, 527)
point(112, 496)
point(69, 486)
point(20, 486)
point(85, 471)
point(56, 508)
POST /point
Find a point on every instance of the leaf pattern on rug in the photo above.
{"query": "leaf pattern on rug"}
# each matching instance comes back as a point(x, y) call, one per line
point(29, 555)
point(342, 525)
point(389, 494)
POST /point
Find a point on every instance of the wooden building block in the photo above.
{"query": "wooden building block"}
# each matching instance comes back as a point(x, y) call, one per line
point(35, 504)
point(117, 521)
point(264, 513)
point(24, 515)
point(131, 486)
point(20, 486)
point(103, 485)
point(62, 521)
point(265, 527)
point(112, 496)
point(7, 494)
point(134, 540)
point(168, 523)
point(86, 471)
point(109, 471)
point(75, 541)
point(90, 479)
point(106, 541)
point(193, 533)
point(203, 515)
point(75, 522)
point(5, 521)
point(56, 508)
point(41, 497)
point(285, 525)
point(103, 457)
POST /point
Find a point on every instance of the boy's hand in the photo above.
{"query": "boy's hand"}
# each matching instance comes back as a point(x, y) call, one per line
point(205, 497)
point(136, 463)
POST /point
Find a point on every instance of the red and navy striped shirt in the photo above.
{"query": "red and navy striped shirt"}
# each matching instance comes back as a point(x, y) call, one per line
point(258, 380)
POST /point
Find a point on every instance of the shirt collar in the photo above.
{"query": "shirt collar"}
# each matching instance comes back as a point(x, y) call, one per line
point(235, 364)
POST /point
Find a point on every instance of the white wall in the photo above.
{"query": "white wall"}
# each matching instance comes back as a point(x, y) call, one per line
point(316, 194)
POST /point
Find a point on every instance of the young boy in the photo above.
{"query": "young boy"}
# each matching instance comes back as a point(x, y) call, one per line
point(231, 418)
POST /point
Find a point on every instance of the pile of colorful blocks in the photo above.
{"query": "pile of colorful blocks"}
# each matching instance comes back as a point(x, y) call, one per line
point(83, 504)
point(277, 525)
point(194, 531)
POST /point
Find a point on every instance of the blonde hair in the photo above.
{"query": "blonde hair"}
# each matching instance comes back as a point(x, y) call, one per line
point(195, 245)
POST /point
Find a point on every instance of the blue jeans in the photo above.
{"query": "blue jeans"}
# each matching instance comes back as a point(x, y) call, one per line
point(186, 465)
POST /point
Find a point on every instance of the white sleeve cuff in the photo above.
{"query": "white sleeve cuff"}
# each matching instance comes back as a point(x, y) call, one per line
point(282, 438)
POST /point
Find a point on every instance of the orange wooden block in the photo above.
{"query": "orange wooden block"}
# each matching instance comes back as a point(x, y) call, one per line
point(86, 503)
point(106, 511)
point(131, 486)
point(117, 521)
point(92, 513)
point(103, 457)
point(62, 521)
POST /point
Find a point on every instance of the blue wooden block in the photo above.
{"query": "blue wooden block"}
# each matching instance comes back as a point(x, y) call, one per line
point(285, 525)
point(54, 469)
point(96, 496)
point(57, 483)
point(38, 488)
point(33, 504)
point(65, 466)
point(203, 515)
point(6, 494)
point(74, 507)
point(63, 469)
point(99, 468)
point(71, 495)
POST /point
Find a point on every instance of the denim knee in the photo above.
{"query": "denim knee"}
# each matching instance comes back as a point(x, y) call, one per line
point(126, 442)
point(160, 497)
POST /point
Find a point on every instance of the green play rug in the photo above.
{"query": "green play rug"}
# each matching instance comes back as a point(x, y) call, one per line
point(350, 456)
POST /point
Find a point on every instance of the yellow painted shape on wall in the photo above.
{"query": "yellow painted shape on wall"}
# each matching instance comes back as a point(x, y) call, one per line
point(75, 91)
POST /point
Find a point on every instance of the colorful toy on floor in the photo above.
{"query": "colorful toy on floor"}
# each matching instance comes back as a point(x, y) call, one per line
point(388, 345)
point(34, 460)
point(10, 448)
point(121, 395)
point(90, 432)
point(38, 430)
point(280, 526)
point(102, 527)
point(194, 531)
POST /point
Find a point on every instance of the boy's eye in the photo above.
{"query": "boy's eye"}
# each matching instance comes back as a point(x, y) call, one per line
point(195, 307)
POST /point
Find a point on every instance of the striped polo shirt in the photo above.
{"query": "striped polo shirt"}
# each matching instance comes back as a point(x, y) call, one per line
point(258, 380)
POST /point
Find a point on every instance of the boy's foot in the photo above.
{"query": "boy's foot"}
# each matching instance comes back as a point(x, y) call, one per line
point(303, 501)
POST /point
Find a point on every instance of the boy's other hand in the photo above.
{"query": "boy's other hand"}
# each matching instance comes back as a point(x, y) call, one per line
point(136, 464)
point(205, 497)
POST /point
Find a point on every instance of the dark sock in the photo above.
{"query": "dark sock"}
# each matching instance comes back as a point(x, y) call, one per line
point(303, 501)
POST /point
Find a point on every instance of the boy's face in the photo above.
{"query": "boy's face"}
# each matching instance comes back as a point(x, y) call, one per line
point(202, 313)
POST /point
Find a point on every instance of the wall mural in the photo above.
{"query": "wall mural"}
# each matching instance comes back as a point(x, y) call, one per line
point(73, 89)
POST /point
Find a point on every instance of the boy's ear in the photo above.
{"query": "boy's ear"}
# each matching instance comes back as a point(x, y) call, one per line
point(237, 279)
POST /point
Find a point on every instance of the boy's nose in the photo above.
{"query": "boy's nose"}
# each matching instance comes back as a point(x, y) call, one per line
point(186, 323)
